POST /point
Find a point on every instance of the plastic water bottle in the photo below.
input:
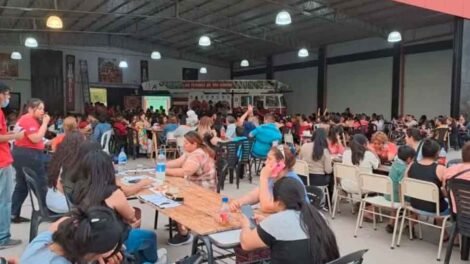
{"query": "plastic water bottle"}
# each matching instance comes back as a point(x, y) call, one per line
point(224, 212)
point(160, 169)
point(122, 160)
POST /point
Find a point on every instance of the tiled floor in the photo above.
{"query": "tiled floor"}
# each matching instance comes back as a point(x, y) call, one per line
point(378, 242)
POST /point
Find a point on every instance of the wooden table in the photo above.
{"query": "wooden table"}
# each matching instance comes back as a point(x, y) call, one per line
point(199, 212)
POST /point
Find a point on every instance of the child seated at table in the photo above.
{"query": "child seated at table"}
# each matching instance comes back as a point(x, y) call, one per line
point(279, 164)
point(406, 155)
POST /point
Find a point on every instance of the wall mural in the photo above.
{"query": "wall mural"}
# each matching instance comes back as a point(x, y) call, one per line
point(109, 71)
point(8, 67)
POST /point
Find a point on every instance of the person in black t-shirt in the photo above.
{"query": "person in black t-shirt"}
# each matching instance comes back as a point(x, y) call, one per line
point(298, 233)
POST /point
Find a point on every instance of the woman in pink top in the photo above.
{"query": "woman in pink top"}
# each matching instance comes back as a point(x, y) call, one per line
point(382, 147)
point(335, 140)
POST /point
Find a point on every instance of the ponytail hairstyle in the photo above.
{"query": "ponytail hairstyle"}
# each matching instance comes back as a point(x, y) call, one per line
point(193, 137)
point(358, 148)
point(283, 153)
point(95, 231)
point(319, 144)
point(321, 239)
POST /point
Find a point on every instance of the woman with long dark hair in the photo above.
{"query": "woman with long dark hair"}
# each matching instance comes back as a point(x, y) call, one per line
point(82, 237)
point(335, 140)
point(297, 233)
point(97, 187)
point(62, 160)
point(29, 152)
point(318, 157)
point(359, 154)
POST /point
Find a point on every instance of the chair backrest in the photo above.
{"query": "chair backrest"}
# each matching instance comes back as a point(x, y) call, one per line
point(460, 192)
point(347, 178)
point(105, 139)
point(423, 190)
point(352, 258)
point(288, 138)
point(37, 193)
point(377, 184)
point(301, 169)
point(231, 152)
point(221, 168)
point(246, 147)
point(180, 144)
point(170, 137)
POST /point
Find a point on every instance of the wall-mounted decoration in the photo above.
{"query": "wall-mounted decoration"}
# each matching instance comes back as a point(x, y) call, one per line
point(70, 82)
point(144, 71)
point(8, 67)
point(109, 71)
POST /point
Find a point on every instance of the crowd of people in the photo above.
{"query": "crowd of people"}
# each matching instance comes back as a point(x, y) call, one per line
point(78, 177)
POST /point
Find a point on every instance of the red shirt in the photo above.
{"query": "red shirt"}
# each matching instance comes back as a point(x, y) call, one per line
point(30, 125)
point(82, 124)
point(6, 159)
point(121, 128)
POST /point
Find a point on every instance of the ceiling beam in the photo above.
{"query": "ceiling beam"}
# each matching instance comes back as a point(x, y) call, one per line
point(30, 4)
point(87, 26)
point(96, 7)
point(5, 3)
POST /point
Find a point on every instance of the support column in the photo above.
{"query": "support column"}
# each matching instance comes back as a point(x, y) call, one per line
point(231, 70)
point(460, 92)
point(397, 77)
point(269, 68)
point(322, 78)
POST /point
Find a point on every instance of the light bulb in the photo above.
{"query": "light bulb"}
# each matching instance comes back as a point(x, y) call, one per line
point(155, 55)
point(15, 55)
point(204, 41)
point(123, 64)
point(394, 36)
point(283, 18)
point(203, 70)
point(303, 53)
point(244, 63)
point(31, 42)
point(54, 22)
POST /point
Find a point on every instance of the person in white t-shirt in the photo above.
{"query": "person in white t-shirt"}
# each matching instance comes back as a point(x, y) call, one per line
point(359, 155)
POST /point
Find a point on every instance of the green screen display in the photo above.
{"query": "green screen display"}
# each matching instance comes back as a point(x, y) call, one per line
point(156, 102)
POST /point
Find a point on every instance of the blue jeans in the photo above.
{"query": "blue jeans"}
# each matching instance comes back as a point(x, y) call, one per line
point(143, 245)
point(36, 161)
point(6, 187)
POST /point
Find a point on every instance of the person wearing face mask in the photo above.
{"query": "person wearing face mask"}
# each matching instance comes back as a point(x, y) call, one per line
point(6, 172)
point(29, 152)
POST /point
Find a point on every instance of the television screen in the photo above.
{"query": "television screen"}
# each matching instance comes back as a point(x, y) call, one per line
point(156, 102)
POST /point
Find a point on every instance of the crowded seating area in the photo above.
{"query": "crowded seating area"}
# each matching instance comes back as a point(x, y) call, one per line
point(205, 131)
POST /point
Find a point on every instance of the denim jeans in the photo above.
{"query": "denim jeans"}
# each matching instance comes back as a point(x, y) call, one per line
point(143, 245)
point(6, 187)
point(36, 161)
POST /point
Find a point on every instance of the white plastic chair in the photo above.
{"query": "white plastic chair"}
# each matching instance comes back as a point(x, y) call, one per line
point(105, 139)
point(180, 145)
point(379, 184)
point(425, 191)
point(301, 169)
point(346, 180)
point(288, 138)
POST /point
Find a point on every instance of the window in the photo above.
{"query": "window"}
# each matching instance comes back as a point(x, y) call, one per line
point(258, 102)
point(272, 101)
point(246, 100)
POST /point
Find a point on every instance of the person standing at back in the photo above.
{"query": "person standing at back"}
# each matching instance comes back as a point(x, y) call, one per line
point(29, 152)
point(264, 136)
point(6, 172)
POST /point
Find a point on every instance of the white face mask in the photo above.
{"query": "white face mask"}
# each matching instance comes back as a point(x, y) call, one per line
point(5, 103)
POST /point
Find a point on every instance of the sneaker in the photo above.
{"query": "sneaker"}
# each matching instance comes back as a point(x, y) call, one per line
point(10, 243)
point(179, 240)
point(162, 256)
point(19, 219)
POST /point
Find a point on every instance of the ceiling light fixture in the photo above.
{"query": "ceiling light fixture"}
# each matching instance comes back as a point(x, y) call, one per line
point(203, 70)
point(54, 22)
point(155, 55)
point(204, 41)
point(394, 36)
point(303, 52)
point(15, 55)
point(31, 42)
point(123, 64)
point(283, 18)
point(244, 63)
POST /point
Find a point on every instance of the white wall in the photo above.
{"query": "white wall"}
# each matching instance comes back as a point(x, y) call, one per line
point(165, 69)
point(428, 81)
point(364, 86)
point(303, 83)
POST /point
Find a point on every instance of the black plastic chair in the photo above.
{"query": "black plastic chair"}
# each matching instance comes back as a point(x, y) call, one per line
point(352, 258)
point(244, 159)
point(222, 169)
point(40, 213)
point(460, 189)
point(230, 154)
point(315, 195)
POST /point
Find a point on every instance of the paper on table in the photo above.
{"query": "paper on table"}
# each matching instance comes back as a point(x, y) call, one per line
point(160, 200)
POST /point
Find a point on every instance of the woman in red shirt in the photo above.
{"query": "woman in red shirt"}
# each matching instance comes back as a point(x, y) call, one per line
point(29, 152)
point(382, 147)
